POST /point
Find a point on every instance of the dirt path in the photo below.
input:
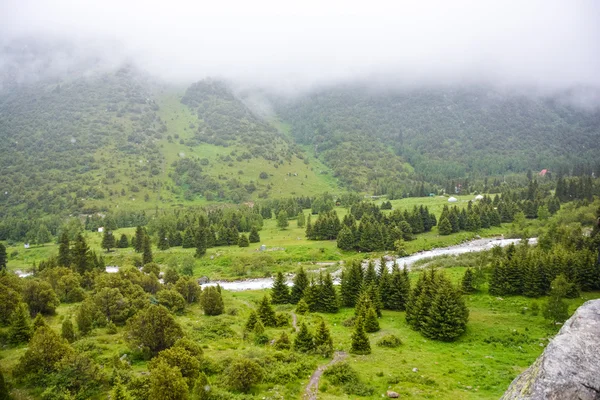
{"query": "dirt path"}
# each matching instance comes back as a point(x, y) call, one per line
point(295, 321)
point(310, 393)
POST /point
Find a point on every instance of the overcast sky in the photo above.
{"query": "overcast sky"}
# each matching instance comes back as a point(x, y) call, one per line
point(549, 44)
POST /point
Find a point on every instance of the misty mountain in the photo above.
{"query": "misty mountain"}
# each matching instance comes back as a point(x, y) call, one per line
point(444, 133)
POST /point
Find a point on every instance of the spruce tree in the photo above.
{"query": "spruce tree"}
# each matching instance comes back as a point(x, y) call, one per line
point(123, 242)
point(444, 227)
point(243, 241)
point(108, 240)
point(360, 340)
point(254, 236)
point(301, 220)
point(67, 331)
point(258, 332)
point(303, 342)
point(302, 307)
point(80, 255)
point(371, 322)
point(282, 220)
point(64, 252)
point(555, 309)
point(200, 242)
point(251, 321)
point(323, 341)
point(20, 330)
point(188, 239)
point(329, 298)
point(146, 250)
point(300, 284)
point(468, 282)
point(163, 240)
point(283, 342)
point(139, 239)
point(345, 239)
point(385, 288)
point(370, 275)
point(266, 313)
point(448, 315)
point(280, 293)
point(399, 289)
point(352, 281)
point(312, 296)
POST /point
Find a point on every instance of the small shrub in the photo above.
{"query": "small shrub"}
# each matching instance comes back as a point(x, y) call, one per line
point(391, 341)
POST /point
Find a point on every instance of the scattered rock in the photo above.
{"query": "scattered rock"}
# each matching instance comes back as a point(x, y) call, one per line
point(569, 367)
point(415, 369)
point(203, 279)
point(391, 394)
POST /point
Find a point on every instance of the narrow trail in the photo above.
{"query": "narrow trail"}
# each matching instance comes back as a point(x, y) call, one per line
point(312, 389)
point(295, 321)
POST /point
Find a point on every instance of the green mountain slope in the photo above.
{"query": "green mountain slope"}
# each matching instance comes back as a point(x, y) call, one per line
point(442, 133)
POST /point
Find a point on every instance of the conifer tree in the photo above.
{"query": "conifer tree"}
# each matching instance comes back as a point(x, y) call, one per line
point(309, 228)
point(64, 252)
point(300, 285)
point(20, 330)
point(282, 220)
point(200, 241)
point(375, 296)
point(108, 240)
point(139, 239)
point(67, 331)
point(212, 301)
point(302, 307)
point(188, 239)
point(80, 255)
point(301, 220)
point(345, 239)
point(258, 332)
point(352, 282)
point(323, 341)
point(254, 236)
point(146, 250)
point(123, 242)
point(251, 321)
point(468, 282)
point(303, 342)
point(371, 322)
point(266, 313)
point(448, 316)
point(444, 227)
point(283, 342)
point(280, 293)
point(243, 241)
point(555, 309)
point(312, 296)
point(119, 391)
point(38, 322)
point(370, 275)
point(399, 289)
point(385, 288)
point(360, 340)
point(329, 299)
point(163, 240)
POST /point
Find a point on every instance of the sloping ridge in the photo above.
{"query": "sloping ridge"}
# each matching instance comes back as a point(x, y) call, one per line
point(569, 368)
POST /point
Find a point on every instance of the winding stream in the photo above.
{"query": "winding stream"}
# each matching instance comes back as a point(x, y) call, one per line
point(468, 247)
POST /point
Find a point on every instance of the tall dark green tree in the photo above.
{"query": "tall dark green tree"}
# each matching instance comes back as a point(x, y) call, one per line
point(448, 316)
point(322, 341)
point(360, 341)
point(188, 239)
point(139, 239)
point(254, 236)
point(243, 241)
point(280, 293)
point(21, 329)
point(300, 285)
point(445, 227)
point(329, 298)
point(64, 251)
point(345, 239)
point(201, 241)
point(371, 321)
point(108, 240)
point(468, 282)
point(303, 342)
point(123, 242)
point(212, 301)
point(146, 250)
point(399, 289)
point(163, 240)
point(352, 282)
point(266, 313)
point(555, 309)
point(282, 220)
point(80, 255)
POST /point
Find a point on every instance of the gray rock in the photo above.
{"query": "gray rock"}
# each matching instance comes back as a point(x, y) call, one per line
point(569, 368)
point(391, 394)
point(202, 280)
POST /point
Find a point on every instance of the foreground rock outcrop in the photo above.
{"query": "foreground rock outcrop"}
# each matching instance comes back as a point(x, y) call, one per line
point(569, 368)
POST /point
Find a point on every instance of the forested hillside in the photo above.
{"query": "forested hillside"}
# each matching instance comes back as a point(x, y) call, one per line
point(443, 133)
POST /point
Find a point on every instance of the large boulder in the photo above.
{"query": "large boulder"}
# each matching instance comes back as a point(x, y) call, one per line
point(569, 368)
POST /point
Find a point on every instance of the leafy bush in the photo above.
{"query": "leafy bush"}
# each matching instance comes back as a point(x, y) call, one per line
point(391, 341)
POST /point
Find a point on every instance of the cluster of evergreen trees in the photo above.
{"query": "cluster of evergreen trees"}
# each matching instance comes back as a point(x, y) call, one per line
point(575, 188)
point(529, 271)
point(318, 295)
point(436, 308)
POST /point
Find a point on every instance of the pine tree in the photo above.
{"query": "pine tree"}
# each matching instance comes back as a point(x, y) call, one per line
point(370, 275)
point(300, 284)
point(345, 239)
point(188, 239)
point(448, 315)
point(302, 307)
point(555, 309)
point(399, 289)
point(146, 250)
point(254, 236)
point(280, 293)
point(329, 298)
point(200, 241)
point(20, 330)
point(119, 391)
point(163, 240)
point(301, 220)
point(282, 220)
point(266, 313)
point(139, 239)
point(108, 241)
point(444, 227)
point(64, 253)
point(322, 340)
point(371, 322)
point(67, 331)
point(243, 241)
point(309, 228)
point(312, 296)
point(468, 282)
point(352, 281)
point(251, 321)
point(123, 242)
point(303, 342)
point(259, 333)
point(283, 342)
point(385, 288)
point(80, 255)
point(360, 340)
point(212, 301)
